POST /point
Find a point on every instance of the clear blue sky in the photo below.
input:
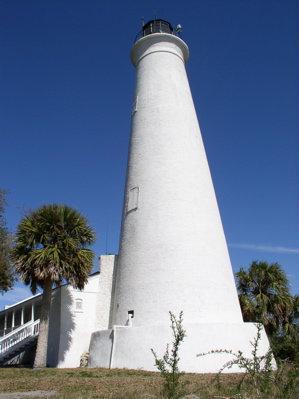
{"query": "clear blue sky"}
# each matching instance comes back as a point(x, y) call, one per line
point(66, 92)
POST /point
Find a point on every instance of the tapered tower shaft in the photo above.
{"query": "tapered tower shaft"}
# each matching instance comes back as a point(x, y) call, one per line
point(173, 253)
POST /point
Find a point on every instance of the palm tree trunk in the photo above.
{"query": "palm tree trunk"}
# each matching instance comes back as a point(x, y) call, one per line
point(42, 341)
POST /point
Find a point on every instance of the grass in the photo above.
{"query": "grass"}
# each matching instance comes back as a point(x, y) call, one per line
point(104, 383)
point(86, 383)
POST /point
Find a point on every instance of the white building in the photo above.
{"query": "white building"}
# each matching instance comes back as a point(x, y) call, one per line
point(173, 254)
point(75, 315)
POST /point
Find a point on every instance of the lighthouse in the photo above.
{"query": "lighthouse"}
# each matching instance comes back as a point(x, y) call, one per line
point(173, 254)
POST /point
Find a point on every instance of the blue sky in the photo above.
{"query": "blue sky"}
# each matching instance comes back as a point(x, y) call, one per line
point(66, 92)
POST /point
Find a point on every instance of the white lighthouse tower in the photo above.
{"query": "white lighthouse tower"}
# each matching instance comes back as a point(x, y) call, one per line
point(173, 253)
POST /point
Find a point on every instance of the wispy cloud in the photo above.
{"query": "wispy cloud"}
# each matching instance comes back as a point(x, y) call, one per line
point(265, 248)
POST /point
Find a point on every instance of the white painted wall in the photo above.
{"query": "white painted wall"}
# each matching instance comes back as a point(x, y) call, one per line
point(130, 347)
point(70, 327)
point(76, 325)
point(105, 287)
point(173, 253)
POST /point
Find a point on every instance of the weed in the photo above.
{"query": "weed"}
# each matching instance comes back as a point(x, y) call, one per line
point(168, 364)
point(260, 379)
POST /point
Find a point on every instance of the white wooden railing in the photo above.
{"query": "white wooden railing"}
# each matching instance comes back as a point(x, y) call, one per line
point(30, 329)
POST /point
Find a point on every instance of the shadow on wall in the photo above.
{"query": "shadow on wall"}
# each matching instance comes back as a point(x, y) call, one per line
point(61, 326)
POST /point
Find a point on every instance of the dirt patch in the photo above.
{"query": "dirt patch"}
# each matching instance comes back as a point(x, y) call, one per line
point(30, 394)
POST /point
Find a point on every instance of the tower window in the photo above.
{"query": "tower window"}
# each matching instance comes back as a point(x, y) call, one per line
point(133, 199)
point(135, 105)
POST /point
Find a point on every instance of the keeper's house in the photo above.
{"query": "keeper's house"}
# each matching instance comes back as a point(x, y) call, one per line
point(75, 315)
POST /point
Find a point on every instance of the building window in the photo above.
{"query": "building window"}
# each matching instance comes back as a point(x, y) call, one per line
point(79, 305)
point(133, 199)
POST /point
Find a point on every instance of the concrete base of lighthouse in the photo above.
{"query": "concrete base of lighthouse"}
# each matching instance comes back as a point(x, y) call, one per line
point(130, 347)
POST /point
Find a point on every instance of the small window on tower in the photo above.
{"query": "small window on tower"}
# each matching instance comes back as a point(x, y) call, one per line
point(133, 199)
point(135, 105)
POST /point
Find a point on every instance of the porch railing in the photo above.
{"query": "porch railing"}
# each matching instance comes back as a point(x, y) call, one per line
point(30, 329)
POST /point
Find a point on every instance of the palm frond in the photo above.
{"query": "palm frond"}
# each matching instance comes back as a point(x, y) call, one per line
point(52, 242)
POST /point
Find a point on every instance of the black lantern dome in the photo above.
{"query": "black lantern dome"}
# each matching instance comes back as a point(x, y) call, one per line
point(157, 26)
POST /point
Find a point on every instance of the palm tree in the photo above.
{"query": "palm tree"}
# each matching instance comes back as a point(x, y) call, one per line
point(51, 246)
point(265, 296)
